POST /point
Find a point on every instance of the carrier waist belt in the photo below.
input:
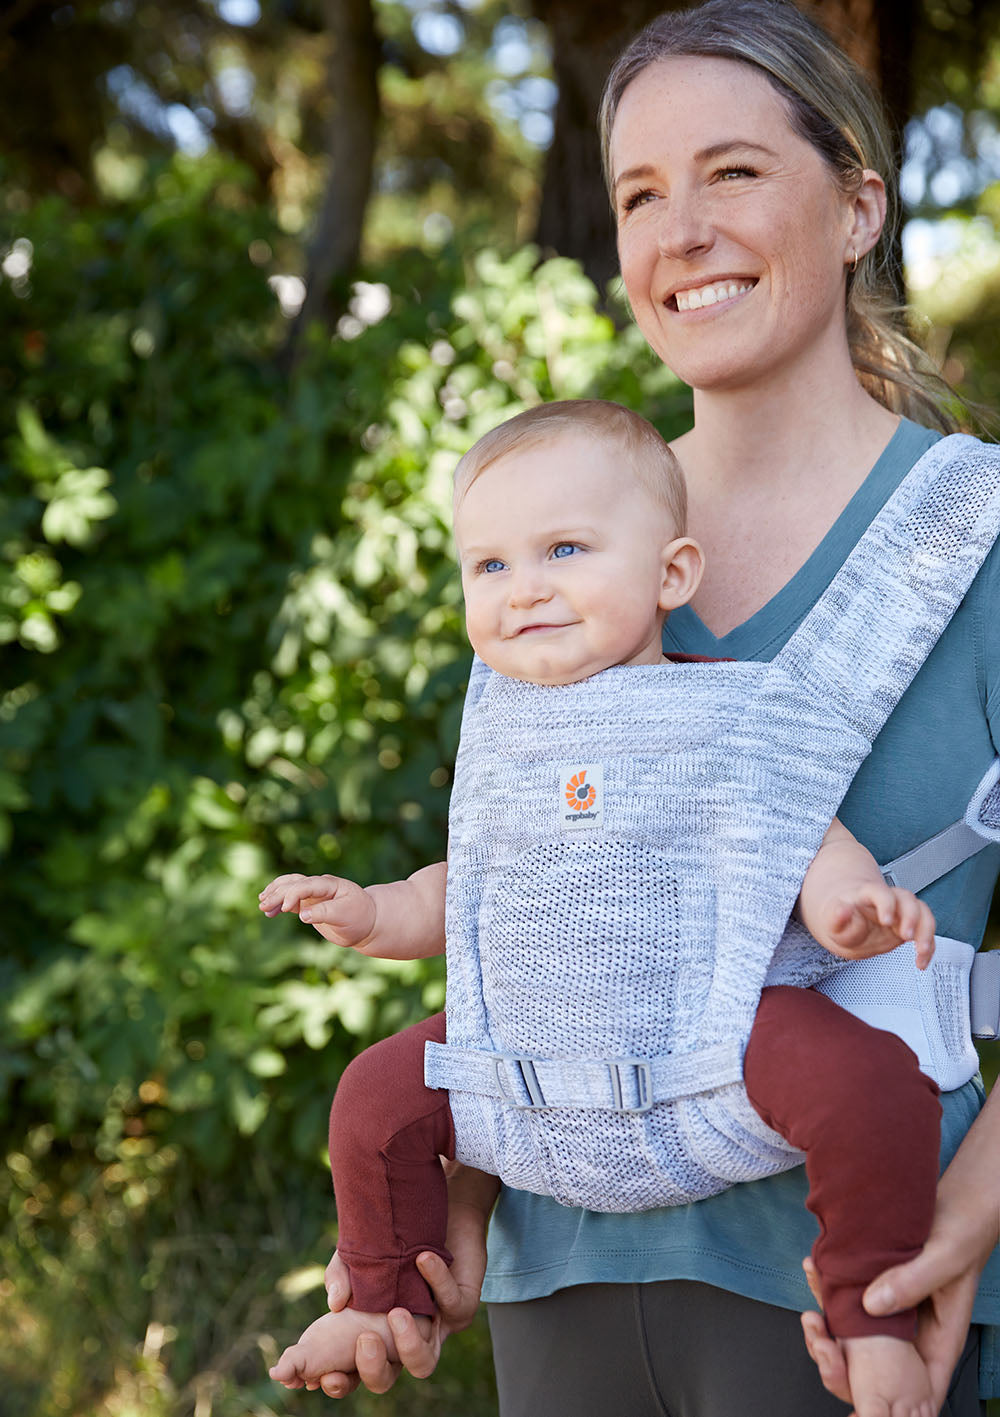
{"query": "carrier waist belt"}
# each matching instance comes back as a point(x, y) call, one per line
point(618, 1084)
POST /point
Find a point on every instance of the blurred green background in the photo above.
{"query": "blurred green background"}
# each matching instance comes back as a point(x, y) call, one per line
point(265, 271)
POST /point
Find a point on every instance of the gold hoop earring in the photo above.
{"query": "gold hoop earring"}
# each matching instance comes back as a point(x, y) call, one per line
point(854, 262)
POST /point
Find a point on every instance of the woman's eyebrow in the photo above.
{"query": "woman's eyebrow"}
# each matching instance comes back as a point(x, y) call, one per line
point(632, 174)
point(729, 145)
point(714, 150)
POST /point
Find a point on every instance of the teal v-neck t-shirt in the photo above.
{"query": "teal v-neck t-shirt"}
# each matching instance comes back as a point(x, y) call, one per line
point(923, 769)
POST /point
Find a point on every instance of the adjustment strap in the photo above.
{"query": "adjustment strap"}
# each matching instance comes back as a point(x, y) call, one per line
point(940, 854)
point(614, 1084)
point(934, 858)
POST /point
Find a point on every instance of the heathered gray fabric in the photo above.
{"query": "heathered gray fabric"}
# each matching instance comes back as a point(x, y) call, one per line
point(651, 934)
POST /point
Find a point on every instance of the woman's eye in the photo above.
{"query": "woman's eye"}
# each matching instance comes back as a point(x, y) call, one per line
point(637, 199)
point(726, 174)
point(564, 548)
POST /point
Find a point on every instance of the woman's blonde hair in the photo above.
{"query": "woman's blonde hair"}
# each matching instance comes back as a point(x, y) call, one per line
point(832, 105)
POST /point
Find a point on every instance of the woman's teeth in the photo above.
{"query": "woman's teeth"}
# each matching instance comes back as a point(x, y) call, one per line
point(711, 294)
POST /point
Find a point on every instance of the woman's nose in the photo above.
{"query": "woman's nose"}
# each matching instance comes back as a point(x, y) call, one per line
point(685, 229)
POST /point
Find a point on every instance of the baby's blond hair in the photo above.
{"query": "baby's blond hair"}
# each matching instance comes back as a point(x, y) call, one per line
point(646, 454)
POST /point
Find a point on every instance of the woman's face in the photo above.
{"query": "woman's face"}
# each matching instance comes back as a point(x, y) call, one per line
point(732, 234)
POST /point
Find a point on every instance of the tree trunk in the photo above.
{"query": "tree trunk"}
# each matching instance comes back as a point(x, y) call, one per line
point(351, 124)
point(574, 217)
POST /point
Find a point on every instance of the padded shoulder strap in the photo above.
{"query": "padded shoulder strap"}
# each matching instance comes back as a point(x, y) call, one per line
point(870, 631)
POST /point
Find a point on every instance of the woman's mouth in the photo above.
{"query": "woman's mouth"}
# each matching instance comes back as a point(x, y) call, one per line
point(712, 293)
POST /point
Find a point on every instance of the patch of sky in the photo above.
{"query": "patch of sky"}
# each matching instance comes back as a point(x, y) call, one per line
point(949, 157)
point(944, 257)
point(511, 50)
point(174, 122)
point(537, 128)
point(925, 241)
point(238, 12)
point(393, 175)
point(438, 33)
point(529, 102)
point(187, 131)
point(235, 84)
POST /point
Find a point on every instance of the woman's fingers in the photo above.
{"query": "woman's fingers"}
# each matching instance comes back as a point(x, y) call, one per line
point(812, 1279)
point(941, 1285)
point(825, 1351)
point(453, 1302)
point(338, 1384)
point(374, 1368)
point(418, 1355)
point(827, 1354)
point(338, 1284)
point(928, 1276)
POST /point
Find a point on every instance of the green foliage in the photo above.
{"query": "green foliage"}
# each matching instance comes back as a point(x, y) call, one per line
point(233, 646)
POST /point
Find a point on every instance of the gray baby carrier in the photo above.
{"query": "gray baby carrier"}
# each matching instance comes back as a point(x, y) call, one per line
point(625, 854)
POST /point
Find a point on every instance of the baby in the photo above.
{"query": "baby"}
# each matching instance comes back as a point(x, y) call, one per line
point(569, 523)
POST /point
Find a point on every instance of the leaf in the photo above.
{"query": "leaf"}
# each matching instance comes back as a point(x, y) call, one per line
point(78, 501)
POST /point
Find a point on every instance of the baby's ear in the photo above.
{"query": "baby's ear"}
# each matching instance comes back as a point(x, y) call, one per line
point(683, 564)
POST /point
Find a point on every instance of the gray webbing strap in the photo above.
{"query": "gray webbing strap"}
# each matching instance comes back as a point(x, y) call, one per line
point(934, 858)
point(619, 1084)
point(940, 854)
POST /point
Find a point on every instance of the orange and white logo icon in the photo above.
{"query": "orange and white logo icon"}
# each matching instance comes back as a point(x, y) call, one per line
point(581, 796)
point(579, 792)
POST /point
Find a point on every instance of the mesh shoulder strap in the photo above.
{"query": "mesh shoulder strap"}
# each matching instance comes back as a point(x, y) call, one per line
point(873, 627)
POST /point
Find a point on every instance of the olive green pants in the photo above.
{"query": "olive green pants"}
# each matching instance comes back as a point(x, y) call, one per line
point(668, 1349)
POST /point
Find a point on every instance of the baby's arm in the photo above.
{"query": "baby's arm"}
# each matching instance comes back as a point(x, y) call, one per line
point(847, 906)
point(399, 920)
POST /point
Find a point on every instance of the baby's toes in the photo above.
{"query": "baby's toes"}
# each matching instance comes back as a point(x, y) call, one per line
point(287, 1371)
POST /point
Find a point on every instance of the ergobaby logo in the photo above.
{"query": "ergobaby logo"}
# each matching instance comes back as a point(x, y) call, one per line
point(581, 796)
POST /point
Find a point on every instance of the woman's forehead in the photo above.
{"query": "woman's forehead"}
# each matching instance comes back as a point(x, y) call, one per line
point(700, 98)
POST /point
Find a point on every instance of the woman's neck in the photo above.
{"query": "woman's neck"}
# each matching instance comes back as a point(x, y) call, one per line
point(775, 435)
point(768, 474)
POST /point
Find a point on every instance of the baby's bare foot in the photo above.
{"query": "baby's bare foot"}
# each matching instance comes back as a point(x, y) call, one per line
point(328, 1344)
point(888, 1378)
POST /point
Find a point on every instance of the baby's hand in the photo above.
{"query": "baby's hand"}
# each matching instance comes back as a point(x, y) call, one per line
point(340, 910)
point(875, 918)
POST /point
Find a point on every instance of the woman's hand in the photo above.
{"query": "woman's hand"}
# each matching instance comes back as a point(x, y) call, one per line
point(457, 1303)
point(456, 1291)
point(943, 1300)
point(941, 1281)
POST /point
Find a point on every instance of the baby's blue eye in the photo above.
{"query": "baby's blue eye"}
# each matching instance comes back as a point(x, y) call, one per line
point(565, 548)
point(494, 565)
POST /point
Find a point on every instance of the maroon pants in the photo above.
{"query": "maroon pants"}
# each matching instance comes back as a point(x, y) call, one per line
point(850, 1096)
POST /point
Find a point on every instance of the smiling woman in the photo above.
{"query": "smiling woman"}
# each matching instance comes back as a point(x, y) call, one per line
point(751, 179)
point(718, 221)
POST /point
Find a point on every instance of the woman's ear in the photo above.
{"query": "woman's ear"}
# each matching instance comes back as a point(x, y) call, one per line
point(868, 207)
point(683, 564)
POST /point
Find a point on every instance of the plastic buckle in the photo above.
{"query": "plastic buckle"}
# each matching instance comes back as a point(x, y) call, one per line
point(525, 1070)
point(642, 1079)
